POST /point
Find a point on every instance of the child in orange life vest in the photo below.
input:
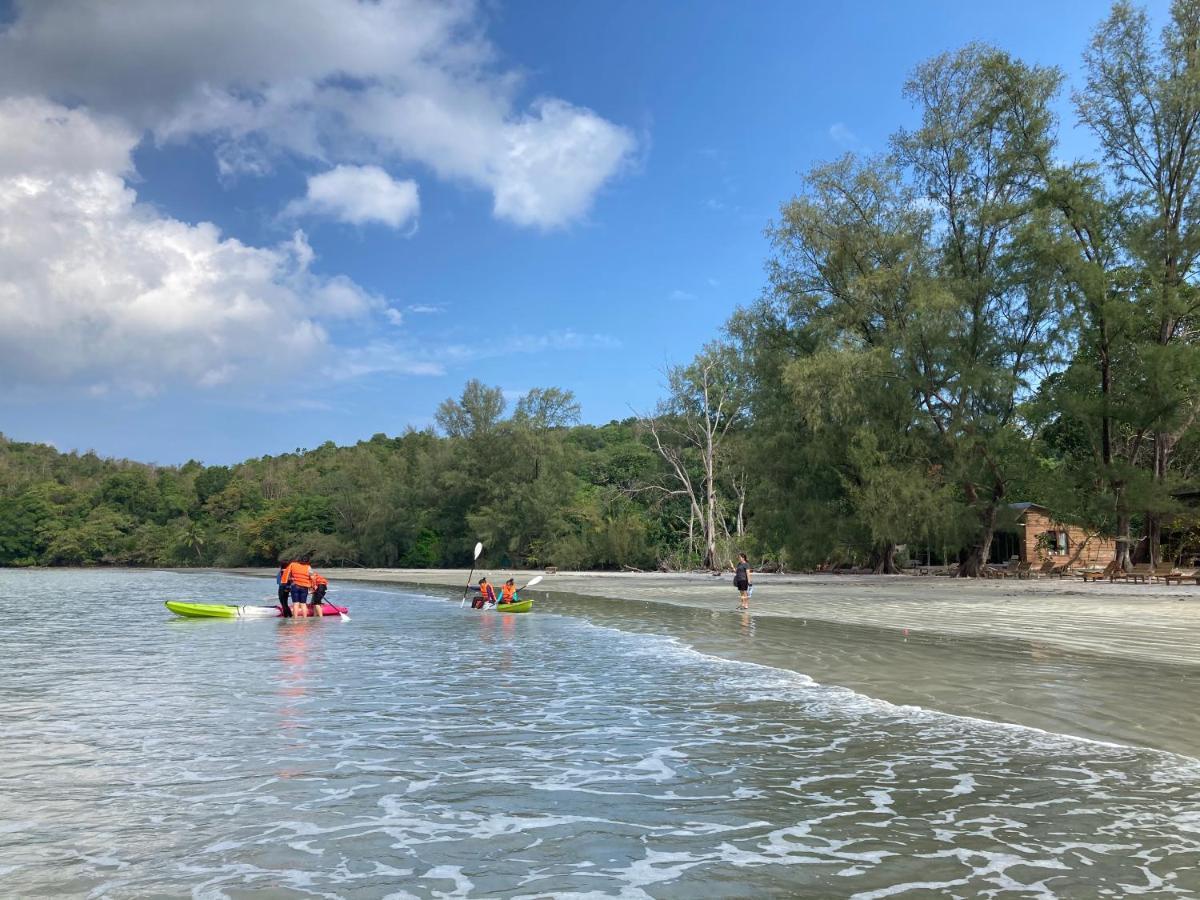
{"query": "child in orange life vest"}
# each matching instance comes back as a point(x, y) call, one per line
point(316, 606)
point(486, 595)
point(508, 591)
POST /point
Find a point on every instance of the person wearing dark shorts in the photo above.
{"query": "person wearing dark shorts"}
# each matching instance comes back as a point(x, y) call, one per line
point(284, 589)
point(741, 581)
point(316, 602)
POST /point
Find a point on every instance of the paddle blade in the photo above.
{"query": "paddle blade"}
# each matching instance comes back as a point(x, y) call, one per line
point(478, 548)
point(533, 581)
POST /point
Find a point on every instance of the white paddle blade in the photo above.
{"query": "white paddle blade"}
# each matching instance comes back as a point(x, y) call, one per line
point(533, 581)
point(478, 548)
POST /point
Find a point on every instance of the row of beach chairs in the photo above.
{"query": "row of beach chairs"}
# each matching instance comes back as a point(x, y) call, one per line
point(1143, 573)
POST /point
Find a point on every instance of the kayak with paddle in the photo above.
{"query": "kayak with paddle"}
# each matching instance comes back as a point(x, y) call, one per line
point(229, 611)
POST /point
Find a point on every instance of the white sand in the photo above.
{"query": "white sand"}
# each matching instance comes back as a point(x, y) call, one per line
point(1143, 622)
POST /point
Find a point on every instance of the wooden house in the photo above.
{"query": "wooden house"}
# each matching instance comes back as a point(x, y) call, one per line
point(1038, 537)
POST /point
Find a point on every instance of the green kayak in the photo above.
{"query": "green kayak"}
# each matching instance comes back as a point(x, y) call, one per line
point(520, 606)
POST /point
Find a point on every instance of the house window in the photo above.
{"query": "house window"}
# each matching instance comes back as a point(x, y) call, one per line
point(1055, 542)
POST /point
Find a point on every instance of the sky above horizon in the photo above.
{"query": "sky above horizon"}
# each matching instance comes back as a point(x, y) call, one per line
point(227, 232)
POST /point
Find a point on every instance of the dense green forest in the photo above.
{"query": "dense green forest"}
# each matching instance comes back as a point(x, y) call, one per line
point(964, 321)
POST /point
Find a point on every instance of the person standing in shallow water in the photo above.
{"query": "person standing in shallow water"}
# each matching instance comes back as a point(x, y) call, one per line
point(741, 581)
point(284, 590)
point(299, 575)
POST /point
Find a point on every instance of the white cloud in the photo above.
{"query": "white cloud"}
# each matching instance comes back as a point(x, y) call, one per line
point(394, 316)
point(840, 134)
point(424, 309)
point(382, 358)
point(97, 289)
point(335, 81)
point(567, 339)
point(679, 294)
point(360, 195)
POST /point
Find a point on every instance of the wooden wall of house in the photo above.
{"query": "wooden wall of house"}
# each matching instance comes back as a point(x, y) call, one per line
point(1083, 547)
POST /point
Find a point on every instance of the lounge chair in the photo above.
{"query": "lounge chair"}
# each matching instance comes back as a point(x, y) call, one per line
point(1048, 568)
point(1142, 573)
point(1099, 574)
point(1189, 573)
point(1024, 570)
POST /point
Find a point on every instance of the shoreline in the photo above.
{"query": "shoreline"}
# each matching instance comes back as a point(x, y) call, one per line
point(1110, 663)
point(1153, 623)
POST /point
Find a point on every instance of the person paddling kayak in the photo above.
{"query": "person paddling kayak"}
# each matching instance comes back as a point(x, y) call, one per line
point(486, 595)
point(508, 592)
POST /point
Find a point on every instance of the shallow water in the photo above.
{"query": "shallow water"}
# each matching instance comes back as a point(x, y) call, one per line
point(421, 750)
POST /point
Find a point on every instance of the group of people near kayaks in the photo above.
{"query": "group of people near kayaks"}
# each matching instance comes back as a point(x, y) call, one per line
point(295, 579)
point(487, 594)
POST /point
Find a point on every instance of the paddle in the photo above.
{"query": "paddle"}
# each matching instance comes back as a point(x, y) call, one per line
point(478, 550)
point(345, 616)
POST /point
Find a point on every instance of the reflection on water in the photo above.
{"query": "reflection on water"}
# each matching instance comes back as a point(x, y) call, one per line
point(423, 750)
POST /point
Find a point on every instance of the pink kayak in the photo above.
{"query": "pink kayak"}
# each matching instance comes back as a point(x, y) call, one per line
point(229, 611)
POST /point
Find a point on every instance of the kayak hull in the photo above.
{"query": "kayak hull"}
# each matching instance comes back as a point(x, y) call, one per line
point(229, 611)
point(521, 606)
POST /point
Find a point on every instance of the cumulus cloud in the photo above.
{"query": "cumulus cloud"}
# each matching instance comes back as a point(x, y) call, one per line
point(335, 81)
point(98, 289)
point(360, 195)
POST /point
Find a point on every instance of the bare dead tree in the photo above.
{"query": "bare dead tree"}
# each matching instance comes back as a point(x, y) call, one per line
point(688, 430)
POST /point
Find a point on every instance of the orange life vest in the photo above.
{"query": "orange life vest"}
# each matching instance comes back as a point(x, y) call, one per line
point(299, 574)
point(319, 580)
point(507, 592)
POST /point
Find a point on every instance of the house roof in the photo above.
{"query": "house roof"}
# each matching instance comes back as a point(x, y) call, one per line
point(1021, 507)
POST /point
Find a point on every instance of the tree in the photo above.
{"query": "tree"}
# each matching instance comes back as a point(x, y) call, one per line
point(545, 408)
point(985, 328)
point(475, 414)
point(1143, 104)
point(689, 429)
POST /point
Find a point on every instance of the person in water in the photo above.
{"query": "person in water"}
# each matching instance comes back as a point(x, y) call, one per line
point(283, 589)
point(316, 605)
point(508, 592)
point(299, 577)
point(741, 581)
point(486, 595)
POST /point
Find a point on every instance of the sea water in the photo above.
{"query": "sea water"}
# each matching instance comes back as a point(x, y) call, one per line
point(423, 750)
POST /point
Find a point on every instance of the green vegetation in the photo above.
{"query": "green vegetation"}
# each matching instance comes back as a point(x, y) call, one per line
point(963, 322)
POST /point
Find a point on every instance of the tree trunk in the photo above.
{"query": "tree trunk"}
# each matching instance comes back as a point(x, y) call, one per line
point(1124, 541)
point(1154, 537)
point(883, 559)
point(977, 558)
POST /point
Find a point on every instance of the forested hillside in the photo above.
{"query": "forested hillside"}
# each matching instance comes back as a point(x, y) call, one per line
point(532, 488)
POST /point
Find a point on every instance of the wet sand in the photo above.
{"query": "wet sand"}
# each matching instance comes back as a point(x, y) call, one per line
point(1115, 662)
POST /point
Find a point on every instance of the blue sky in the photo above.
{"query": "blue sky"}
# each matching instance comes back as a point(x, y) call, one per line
point(529, 193)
